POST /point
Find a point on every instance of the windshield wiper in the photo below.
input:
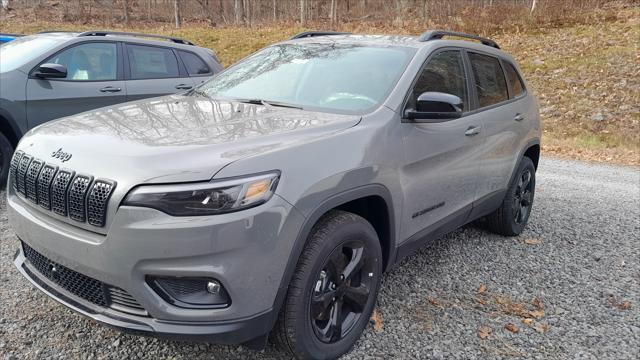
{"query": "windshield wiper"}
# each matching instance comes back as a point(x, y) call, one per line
point(268, 103)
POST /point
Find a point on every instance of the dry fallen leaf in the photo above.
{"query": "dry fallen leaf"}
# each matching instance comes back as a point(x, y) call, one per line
point(484, 332)
point(532, 241)
point(625, 305)
point(541, 328)
point(537, 303)
point(512, 327)
point(527, 321)
point(377, 320)
point(482, 289)
point(536, 314)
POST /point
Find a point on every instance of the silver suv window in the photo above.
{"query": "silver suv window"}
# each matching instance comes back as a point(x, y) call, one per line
point(338, 77)
point(489, 78)
point(89, 61)
point(151, 62)
point(444, 73)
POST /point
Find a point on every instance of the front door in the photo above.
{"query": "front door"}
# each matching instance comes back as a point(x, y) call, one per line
point(93, 80)
point(439, 176)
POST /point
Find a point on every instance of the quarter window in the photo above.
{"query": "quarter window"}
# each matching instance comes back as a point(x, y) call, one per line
point(150, 62)
point(89, 62)
point(514, 80)
point(444, 73)
point(195, 65)
point(489, 78)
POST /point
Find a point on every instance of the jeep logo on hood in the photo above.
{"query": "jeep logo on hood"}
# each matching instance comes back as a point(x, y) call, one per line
point(63, 156)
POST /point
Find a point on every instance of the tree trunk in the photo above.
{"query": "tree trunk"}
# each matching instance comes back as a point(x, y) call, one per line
point(303, 19)
point(333, 11)
point(125, 11)
point(238, 11)
point(424, 10)
point(533, 6)
point(148, 10)
point(275, 11)
point(176, 12)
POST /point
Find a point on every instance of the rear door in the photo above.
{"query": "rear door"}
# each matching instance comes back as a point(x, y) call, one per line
point(154, 71)
point(501, 111)
point(94, 79)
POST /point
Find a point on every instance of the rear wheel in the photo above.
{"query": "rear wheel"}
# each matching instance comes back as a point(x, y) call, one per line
point(333, 291)
point(512, 216)
point(6, 151)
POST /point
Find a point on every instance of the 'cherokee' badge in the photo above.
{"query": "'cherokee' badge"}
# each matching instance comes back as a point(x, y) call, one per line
point(63, 156)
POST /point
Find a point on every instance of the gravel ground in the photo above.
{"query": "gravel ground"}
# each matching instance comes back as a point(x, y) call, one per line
point(570, 287)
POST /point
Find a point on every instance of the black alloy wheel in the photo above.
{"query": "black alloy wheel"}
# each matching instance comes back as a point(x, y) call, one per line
point(523, 199)
point(341, 292)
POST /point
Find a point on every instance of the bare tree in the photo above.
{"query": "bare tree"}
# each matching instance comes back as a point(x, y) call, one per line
point(333, 13)
point(238, 11)
point(125, 11)
point(533, 6)
point(176, 12)
point(303, 8)
point(275, 11)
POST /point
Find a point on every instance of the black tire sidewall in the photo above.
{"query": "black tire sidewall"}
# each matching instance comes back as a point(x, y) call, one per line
point(7, 151)
point(525, 164)
point(311, 346)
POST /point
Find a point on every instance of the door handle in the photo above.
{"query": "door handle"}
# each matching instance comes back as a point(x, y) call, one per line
point(472, 130)
point(518, 117)
point(183, 86)
point(110, 89)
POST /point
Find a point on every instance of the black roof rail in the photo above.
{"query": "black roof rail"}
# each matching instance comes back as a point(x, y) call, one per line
point(105, 33)
point(307, 34)
point(438, 34)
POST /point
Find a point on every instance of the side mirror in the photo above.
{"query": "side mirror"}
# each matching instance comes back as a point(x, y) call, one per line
point(51, 71)
point(435, 107)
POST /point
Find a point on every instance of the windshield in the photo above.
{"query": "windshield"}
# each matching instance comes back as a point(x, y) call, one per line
point(20, 51)
point(344, 78)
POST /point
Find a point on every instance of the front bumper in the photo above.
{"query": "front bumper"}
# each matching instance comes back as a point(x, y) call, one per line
point(246, 251)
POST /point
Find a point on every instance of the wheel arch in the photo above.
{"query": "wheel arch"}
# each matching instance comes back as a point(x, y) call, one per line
point(9, 130)
point(373, 202)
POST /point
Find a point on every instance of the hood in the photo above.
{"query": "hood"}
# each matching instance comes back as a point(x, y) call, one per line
point(173, 138)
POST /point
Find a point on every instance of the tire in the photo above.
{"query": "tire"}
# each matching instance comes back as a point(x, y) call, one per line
point(304, 327)
point(6, 151)
point(510, 219)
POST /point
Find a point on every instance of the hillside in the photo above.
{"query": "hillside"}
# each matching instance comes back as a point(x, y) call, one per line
point(586, 75)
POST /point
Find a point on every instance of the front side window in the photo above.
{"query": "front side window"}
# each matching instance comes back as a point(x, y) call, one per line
point(195, 66)
point(491, 85)
point(150, 62)
point(89, 62)
point(345, 78)
point(444, 73)
point(514, 80)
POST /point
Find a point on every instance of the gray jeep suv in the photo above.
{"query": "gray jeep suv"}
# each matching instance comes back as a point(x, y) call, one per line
point(54, 74)
point(272, 198)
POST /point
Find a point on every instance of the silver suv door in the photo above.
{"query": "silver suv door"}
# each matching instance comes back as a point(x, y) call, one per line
point(154, 71)
point(439, 176)
point(503, 112)
point(94, 79)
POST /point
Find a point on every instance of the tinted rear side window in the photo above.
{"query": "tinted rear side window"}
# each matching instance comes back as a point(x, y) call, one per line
point(489, 78)
point(150, 62)
point(514, 80)
point(195, 65)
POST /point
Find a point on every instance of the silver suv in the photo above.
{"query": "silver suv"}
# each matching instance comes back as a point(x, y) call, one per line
point(54, 74)
point(272, 198)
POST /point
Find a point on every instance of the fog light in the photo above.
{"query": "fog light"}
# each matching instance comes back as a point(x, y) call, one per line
point(213, 287)
point(192, 293)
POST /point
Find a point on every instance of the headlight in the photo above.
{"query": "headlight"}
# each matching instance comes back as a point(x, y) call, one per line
point(215, 197)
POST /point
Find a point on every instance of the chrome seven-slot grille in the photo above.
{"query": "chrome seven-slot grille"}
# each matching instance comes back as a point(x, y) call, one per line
point(77, 196)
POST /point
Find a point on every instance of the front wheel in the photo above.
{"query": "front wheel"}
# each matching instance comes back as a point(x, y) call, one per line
point(512, 216)
point(333, 291)
point(6, 151)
